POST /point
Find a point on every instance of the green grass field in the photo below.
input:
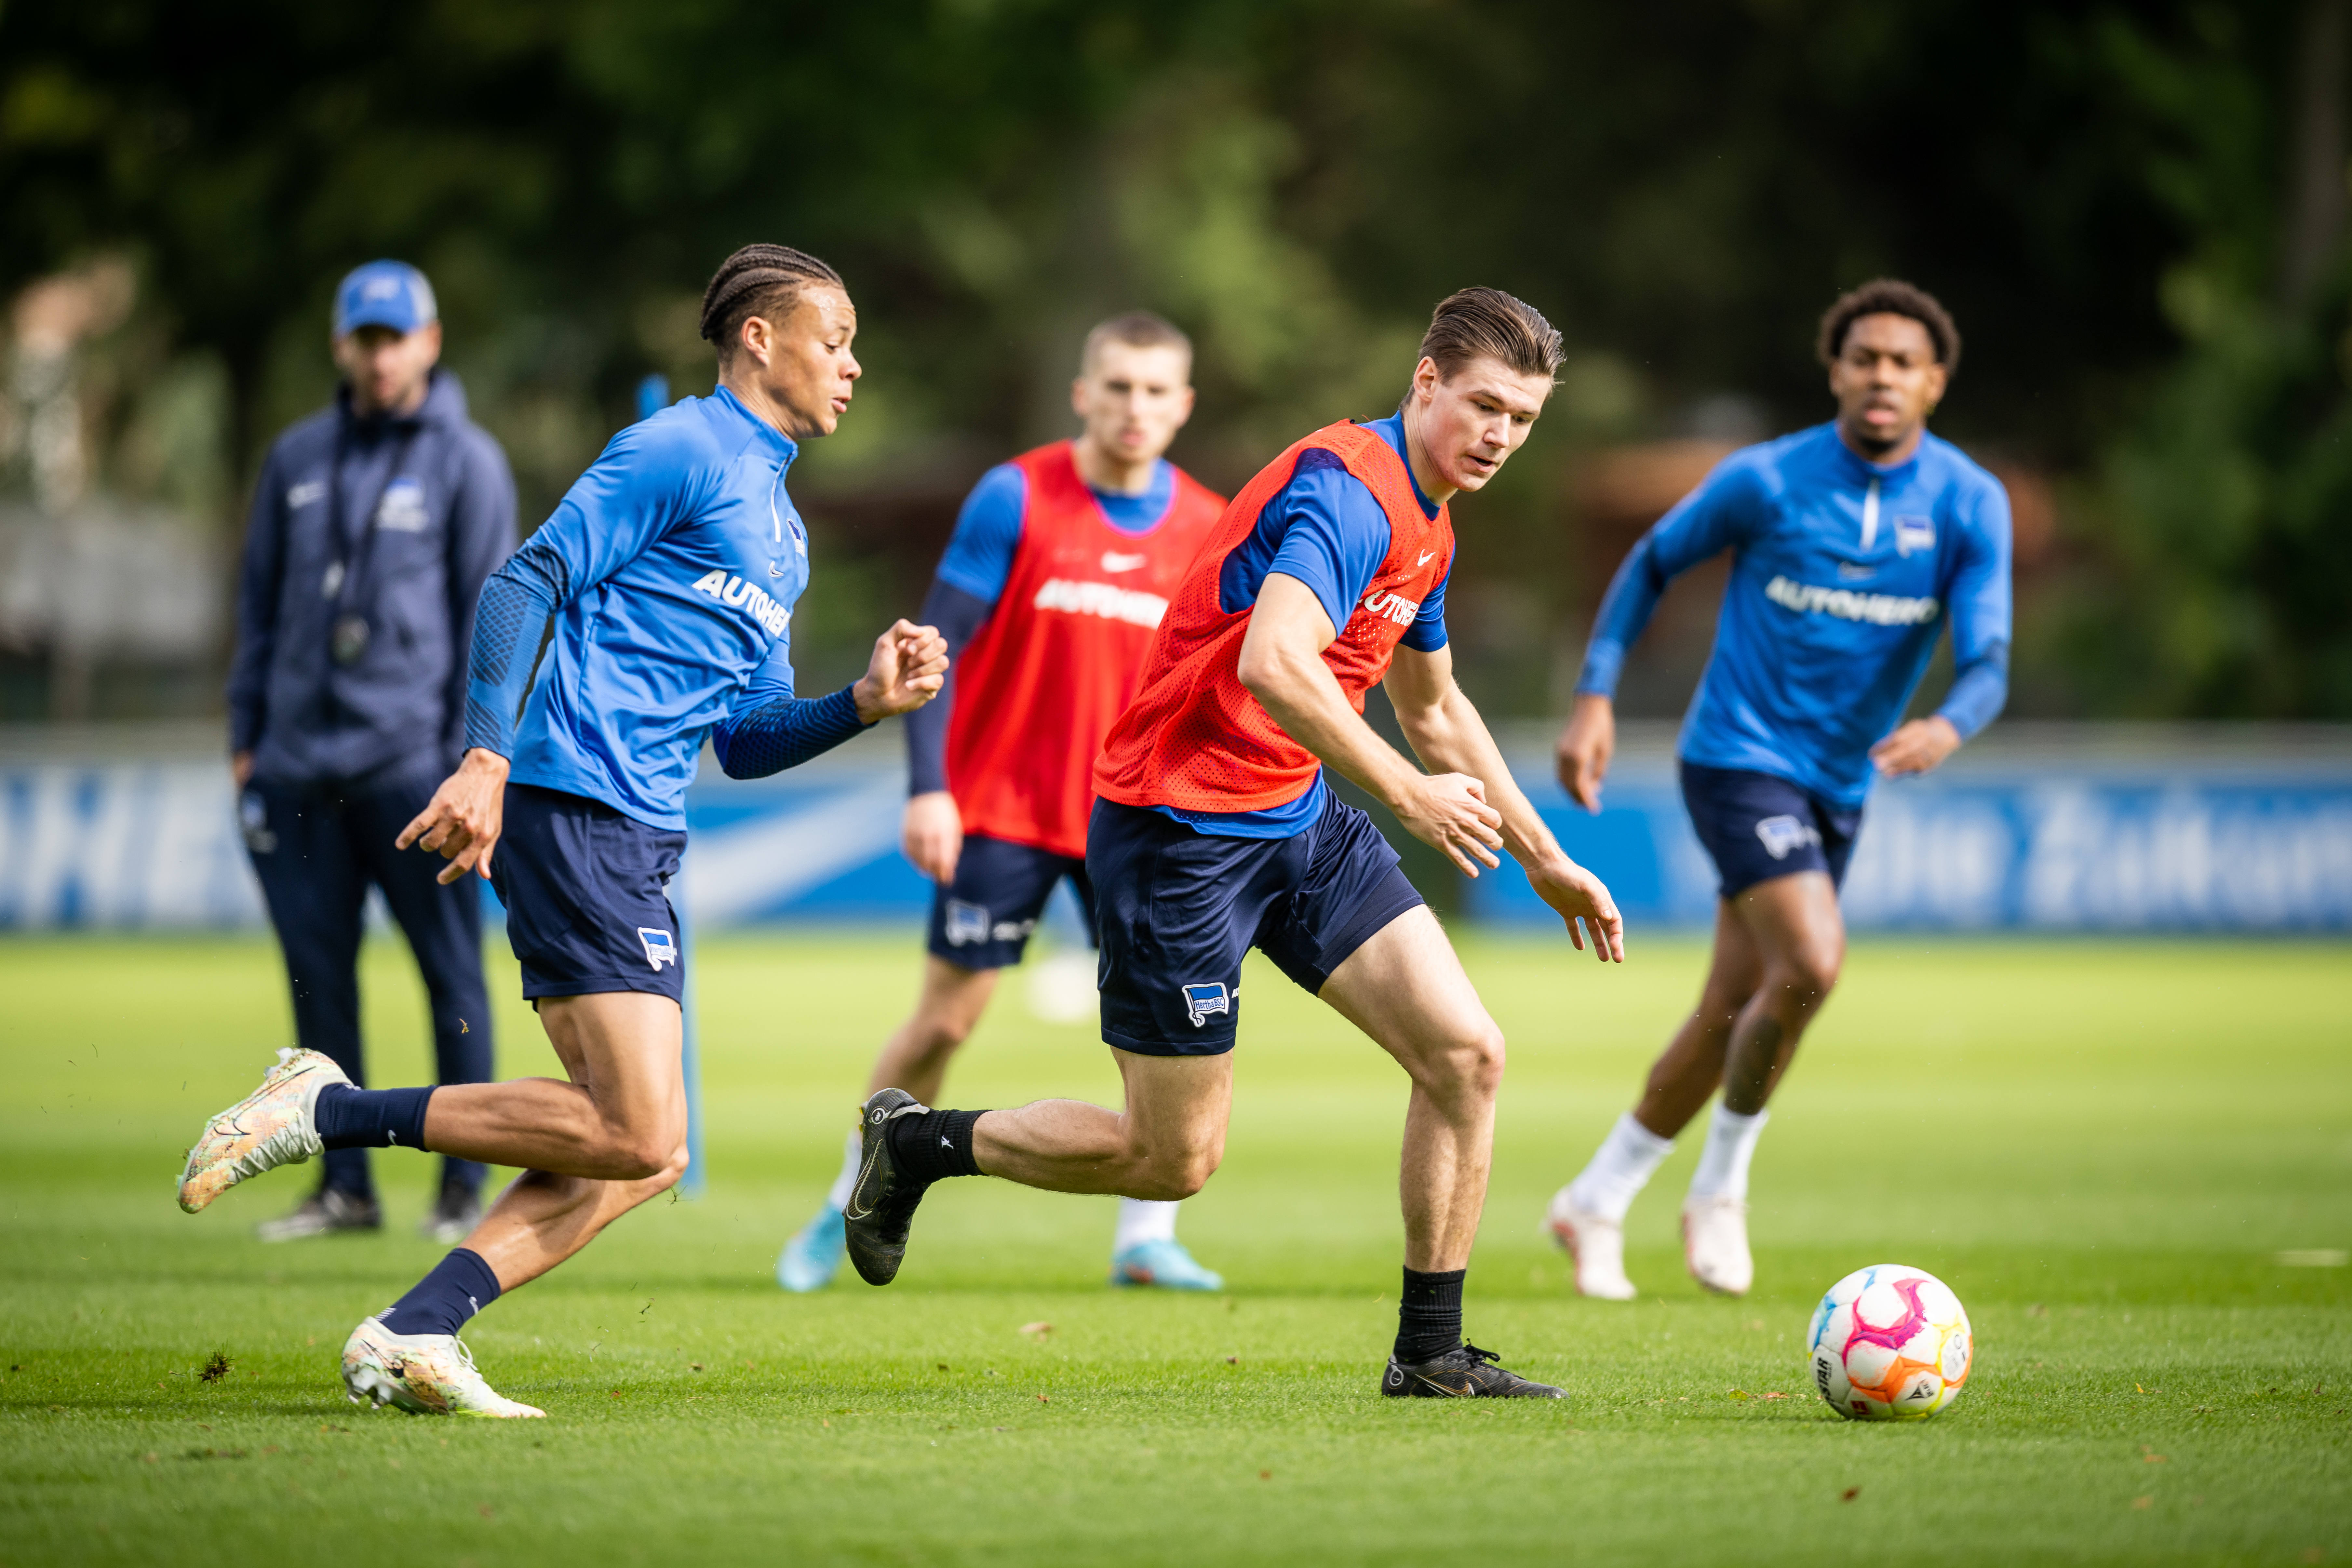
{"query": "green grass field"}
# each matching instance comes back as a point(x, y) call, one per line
point(2104, 1148)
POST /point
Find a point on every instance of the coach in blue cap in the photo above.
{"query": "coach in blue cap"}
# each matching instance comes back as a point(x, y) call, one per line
point(374, 524)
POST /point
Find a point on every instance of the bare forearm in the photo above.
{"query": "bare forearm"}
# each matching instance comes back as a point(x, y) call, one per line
point(1306, 700)
point(1450, 736)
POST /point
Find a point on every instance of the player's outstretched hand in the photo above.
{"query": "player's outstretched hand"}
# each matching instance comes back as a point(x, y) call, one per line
point(933, 834)
point(463, 820)
point(1916, 747)
point(1579, 897)
point(908, 666)
point(1450, 812)
point(1585, 747)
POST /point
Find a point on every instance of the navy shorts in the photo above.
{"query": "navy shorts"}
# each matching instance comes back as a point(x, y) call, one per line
point(982, 917)
point(1756, 826)
point(1177, 909)
point(586, 891)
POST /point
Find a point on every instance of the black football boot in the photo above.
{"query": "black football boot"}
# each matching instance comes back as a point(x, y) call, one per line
point(882, 1205)
point(1464, 1373)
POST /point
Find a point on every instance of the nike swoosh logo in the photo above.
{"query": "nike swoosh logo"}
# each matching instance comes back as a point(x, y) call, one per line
point(864, 1171)
point(1425, 557)
point(1113, 560)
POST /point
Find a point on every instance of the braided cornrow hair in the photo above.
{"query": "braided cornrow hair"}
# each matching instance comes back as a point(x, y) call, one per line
point(758, 280)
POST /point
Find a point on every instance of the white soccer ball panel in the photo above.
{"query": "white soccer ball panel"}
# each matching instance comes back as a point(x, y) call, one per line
point(1926, 1345)
point(1868, 1364)
point(1956, 1355)
point(1832, 1331)
point(1846, 1289)
point(1937, 1296)
point(1880, 1305)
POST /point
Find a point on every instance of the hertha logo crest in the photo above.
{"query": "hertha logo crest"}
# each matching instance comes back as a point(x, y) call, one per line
point(659, 948)
point(966, 923)
point(1201, 1001)
point(1783, 835)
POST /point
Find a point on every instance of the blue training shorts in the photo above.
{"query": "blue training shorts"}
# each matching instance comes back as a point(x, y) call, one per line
point(1176, 910)
point(1756, 826)
point(981, 918)
point(586, 894)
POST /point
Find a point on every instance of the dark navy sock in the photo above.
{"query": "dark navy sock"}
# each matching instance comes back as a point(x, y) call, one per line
point(459, 1285)
point(372, 1118)
point(935, 1145)
point(1429, 1316)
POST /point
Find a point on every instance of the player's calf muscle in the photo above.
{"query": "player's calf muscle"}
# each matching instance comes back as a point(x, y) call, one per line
point(1068, 1146)
point(540, 1124)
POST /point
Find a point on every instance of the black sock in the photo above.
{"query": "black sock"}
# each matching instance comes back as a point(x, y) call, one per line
point(351, 1117)
point(459, 1285)
point(1429, 1316)
point(935, 1145)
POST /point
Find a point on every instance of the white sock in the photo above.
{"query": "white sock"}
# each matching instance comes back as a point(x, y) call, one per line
point(851, 1152)
point(1140, 1221)
point(1620, 1167)
point(1730, 1145)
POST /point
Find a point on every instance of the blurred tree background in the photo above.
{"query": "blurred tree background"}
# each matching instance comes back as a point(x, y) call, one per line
point(2137, 212)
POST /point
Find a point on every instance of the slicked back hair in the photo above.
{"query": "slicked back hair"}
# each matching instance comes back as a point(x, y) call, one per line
point(1889, 297)
point(1136, 330)
point(762, 281)
point(1473, 323)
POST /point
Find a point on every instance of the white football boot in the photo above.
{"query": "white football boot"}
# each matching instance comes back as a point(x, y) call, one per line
point(273, 1126)
point(431, 1375)
point(1714, 1244)
point(1596, 1245)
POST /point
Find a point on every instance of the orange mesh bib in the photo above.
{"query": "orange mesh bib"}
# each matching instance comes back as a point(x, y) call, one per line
point(1195, 738)
point(1062, 654)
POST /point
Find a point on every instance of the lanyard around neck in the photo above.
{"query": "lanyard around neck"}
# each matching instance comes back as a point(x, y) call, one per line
point(355, 561)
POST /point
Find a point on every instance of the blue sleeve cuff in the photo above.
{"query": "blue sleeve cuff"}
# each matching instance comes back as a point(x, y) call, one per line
point(785, 733)
point(959, 615)
point(1604, 662)
point(1979, 691)
point(1427, 634)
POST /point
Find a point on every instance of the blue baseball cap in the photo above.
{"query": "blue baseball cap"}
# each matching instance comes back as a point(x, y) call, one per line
point(383, 294)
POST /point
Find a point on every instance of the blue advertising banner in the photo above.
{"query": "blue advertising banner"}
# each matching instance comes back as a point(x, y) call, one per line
point(2162, 835)
point(2168, 845)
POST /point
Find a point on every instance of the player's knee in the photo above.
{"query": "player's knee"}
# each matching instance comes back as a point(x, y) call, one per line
point(1179, 1178)
point(673, 1170)
point(942, 1035)
point(643, 1156)
point(1168, 1175)
point(1812, 970)
point(1472, 1064)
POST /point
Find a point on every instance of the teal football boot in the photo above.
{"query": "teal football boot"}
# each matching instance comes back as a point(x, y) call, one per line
point(812, 1257)
point(1164, 1264)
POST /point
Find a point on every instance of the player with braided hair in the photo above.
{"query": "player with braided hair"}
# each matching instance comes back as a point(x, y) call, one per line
point(651, 611)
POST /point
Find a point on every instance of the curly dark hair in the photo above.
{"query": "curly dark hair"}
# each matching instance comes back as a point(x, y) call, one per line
point(1889, 297)
point(757, 281)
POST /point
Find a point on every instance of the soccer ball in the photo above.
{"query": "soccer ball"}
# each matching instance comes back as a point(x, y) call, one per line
point(1890, 1343)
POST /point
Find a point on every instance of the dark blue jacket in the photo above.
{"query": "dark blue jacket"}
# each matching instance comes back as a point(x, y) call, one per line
point(445, 522)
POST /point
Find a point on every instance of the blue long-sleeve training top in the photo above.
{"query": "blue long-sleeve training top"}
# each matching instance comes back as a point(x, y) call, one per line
point(442, 507)
point(652, 609)
point(1843, 576)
